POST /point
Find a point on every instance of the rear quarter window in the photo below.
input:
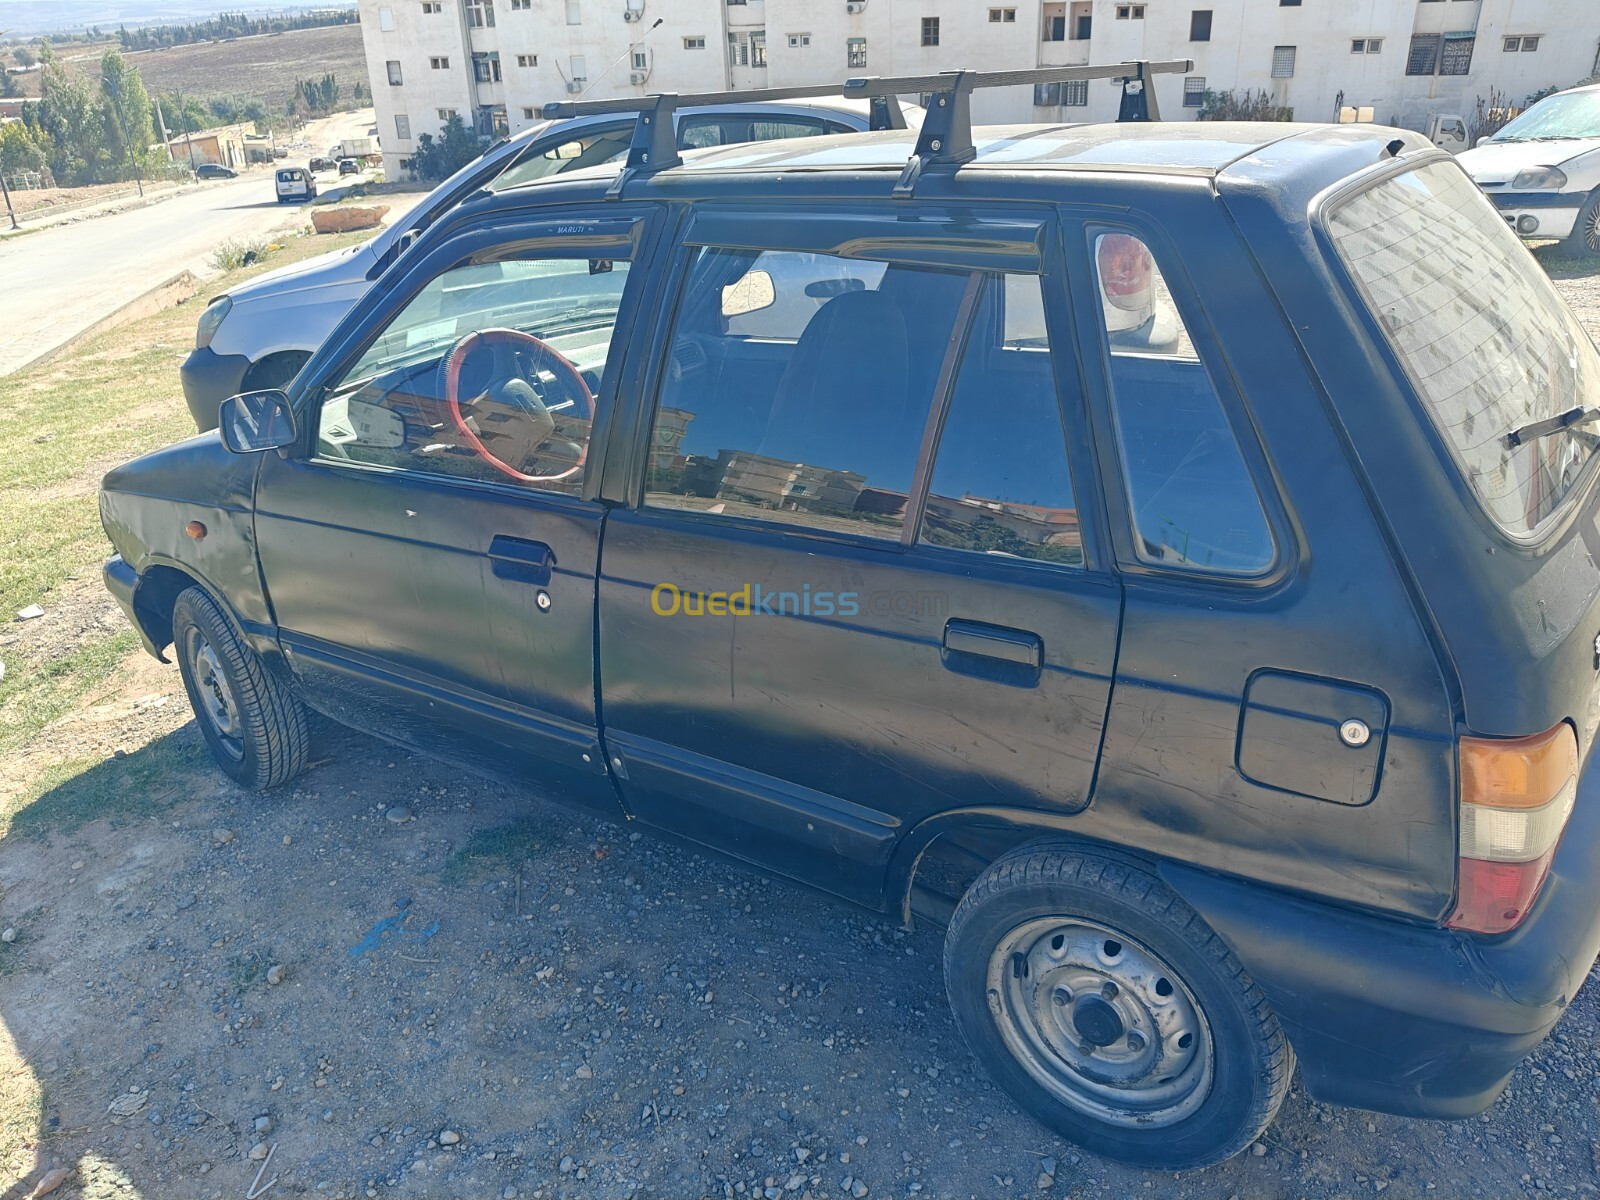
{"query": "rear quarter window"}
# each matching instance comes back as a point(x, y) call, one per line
point(1482, 334)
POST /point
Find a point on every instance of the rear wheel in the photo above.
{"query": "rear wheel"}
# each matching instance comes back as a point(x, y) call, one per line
point(1584, 239)
point(1111, 1012)
point(254, 724)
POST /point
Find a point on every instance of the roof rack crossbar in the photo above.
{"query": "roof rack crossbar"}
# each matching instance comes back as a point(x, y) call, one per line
point(945, 140)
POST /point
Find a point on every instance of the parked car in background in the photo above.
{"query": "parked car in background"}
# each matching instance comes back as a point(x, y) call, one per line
point(294, 184)
point(349, 166)
point(323, 164)
point(215, 171)
point(1163, 551)
point(1542, 171)
point(260, 334)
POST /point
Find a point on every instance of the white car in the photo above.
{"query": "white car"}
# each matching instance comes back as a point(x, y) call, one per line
point(1542, 171)
point(259, 335)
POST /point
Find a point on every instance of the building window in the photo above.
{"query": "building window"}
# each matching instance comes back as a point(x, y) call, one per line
point(480, 13)
point(930, 31)
point(1055, 28)
point(432, 6)
point(1130, 12)
point(1006, 16)
point(486, 67)
point(521, 5)
point(694, 43)
point(641, 60)
point(855, 54)
point(732, 3)
point(395, 78)
point(1524, 44)
point(758, 49)
point(439, 64)
point(1194, 91)
point(1423, 57)
point(527, 113)
point(574, 12)
point(527, 60)
point(580, 69)
point(1366, 46)
point(1200, 25)
point(386, 20)
point(1288, 3)
point(799, 40)
point(402, 127)
point(445, 114)
point(1456, 57)
point(1283, 62)
point(1073, 93)
point(738, 51)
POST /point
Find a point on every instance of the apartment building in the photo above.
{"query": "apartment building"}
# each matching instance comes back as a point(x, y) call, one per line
point(496, 62)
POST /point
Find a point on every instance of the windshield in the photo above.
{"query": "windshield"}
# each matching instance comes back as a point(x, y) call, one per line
point(1570, 115)
point(1488, 343)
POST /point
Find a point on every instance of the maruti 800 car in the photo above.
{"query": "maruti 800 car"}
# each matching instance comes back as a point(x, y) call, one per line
point(1181, 537)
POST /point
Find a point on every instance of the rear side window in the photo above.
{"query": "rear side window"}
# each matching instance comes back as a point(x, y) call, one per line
point(799, 388)
point(1486, 341)
point(1193, 501)
point(587, 150)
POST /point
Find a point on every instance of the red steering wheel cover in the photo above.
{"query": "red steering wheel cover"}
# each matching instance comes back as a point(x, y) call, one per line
point(559, 365)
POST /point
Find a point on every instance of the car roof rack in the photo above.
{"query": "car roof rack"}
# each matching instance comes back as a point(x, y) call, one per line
point(944, 142)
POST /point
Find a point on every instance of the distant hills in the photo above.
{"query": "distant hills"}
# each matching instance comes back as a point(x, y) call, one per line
point(33, 18)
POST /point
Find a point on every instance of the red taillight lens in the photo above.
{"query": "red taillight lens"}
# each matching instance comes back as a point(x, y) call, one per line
point(1516, 796)
point(1126, 269)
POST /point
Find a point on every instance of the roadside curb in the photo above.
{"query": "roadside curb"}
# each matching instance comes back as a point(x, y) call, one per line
point(48, 218)
point(167, 292)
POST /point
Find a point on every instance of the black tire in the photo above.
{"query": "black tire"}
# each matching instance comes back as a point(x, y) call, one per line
point(254, 724)
point(1584, 240)
point(1177, 976)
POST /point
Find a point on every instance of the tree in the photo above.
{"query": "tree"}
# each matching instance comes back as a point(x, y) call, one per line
point(125, 113)
point(69, 114)
point(24, 56)
point(18, 150)
point(439, 158)
point(1245, 106)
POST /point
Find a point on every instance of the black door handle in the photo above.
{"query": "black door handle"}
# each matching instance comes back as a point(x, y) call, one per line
point(995, 641)
point(521, 560)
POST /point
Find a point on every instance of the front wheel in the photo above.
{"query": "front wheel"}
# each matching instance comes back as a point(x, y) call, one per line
point(1110, 1012)
point(254, 724)
point(1584, 240)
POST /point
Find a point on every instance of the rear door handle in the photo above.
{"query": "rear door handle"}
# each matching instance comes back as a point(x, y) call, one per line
point(995, 641)
point(521, 560)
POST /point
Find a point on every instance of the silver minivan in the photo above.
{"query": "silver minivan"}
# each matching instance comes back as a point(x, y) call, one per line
point(295, 184)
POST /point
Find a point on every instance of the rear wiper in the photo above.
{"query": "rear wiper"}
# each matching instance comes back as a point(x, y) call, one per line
point(1538, 429)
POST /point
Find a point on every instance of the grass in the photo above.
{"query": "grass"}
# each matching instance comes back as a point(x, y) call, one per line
point(497, 849)
point(63, 424)
point(244, 252)
point(72, 794)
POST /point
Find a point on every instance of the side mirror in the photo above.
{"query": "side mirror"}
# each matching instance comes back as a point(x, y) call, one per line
point(256, 421)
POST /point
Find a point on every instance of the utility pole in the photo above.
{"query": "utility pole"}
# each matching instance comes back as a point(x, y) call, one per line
point(10, 212)
point(122, 120)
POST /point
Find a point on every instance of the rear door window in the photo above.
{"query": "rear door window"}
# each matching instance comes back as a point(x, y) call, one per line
point(591, 148)
point(1486, 341)
point(1194, 503)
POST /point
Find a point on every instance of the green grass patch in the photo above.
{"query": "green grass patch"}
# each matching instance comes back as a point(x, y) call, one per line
point(48, 690)
point(74, 793)
point(496, 850)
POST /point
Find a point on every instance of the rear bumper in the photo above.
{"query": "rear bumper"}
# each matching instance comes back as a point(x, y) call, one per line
point(1539, 214)
point(1415, 1020)
point(209, 379)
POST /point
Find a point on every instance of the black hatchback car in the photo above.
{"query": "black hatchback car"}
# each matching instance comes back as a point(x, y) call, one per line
point(1178, 540)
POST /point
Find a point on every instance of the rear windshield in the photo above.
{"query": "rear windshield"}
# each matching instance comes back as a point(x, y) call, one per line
point(1487, 342)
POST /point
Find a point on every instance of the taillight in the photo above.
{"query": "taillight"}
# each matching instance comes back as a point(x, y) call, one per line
point(1516, 796)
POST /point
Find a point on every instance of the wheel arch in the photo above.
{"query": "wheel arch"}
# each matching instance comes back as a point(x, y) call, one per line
point(268, 366)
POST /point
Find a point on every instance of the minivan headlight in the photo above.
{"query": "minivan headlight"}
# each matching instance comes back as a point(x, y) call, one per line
point(1539, 179)
point(210, 319)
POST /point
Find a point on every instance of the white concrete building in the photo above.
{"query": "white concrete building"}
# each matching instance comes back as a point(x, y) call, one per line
point(496, 62)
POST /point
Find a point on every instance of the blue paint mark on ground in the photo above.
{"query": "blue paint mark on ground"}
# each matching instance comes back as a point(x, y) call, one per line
point(391, 927)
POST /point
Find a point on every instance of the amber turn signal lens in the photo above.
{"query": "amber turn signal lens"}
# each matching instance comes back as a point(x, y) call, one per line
point(195, 530)
point(1518, 772)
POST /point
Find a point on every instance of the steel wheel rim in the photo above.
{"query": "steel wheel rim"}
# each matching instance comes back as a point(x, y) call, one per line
point(1591, 228)
point(217, 706)
point(1101, 1022)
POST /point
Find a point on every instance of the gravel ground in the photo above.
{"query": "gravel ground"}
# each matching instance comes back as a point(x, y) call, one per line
point(403, 982)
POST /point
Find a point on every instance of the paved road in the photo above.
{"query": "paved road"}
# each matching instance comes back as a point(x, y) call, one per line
point(57, 282)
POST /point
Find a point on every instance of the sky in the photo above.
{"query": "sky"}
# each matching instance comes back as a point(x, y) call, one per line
point(29, 18)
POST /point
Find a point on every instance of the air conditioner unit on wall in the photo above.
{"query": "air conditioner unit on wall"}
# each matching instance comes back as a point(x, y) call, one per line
point(856, 6)
point(574, 86)
point(631, 14)
point(638, 77)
